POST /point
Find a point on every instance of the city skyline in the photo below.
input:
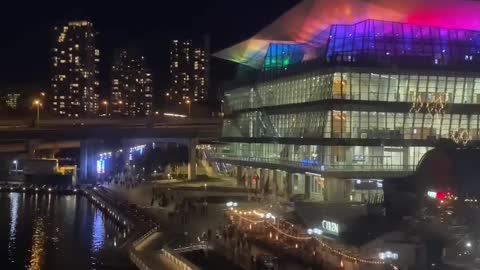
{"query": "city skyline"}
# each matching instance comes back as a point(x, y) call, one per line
point(273, 134)
point(147, 32)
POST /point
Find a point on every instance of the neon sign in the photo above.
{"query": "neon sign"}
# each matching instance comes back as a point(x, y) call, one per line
point(330, 227)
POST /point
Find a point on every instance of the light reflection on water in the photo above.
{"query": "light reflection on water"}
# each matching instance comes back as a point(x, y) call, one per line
point(38, 243)
point(49, 232)
point(14, 197)
point(98, 238)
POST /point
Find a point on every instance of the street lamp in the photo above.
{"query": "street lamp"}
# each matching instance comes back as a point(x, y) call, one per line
point(189, 106)
point(205, 199)
point(37, 104)
point(105, 103)
point(16, 165)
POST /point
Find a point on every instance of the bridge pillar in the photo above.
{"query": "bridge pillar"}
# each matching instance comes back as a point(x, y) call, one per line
point(87, 161)
point(290, 179)
point(240, 176)
point(192, 159)
point(406, 154)
point(31, 148)
point(277, 179)
point(308, 186)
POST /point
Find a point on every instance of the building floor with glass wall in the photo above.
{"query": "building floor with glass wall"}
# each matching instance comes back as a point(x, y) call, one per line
point(361, 103)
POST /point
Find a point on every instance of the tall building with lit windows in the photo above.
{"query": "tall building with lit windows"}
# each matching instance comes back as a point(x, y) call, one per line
point(12, 100)
point(189, 71)
point(132, 84)
point(345, 94)
point(74, 83)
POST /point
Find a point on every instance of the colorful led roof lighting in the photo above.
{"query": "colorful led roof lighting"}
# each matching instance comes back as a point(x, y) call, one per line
point(308, 25)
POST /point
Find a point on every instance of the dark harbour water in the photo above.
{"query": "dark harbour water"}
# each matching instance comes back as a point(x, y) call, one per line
point(50, 232)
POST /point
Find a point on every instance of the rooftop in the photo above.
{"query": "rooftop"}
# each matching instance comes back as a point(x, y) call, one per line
point(301, 31)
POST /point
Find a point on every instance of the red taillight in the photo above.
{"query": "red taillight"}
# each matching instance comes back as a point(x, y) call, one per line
point(440, 196)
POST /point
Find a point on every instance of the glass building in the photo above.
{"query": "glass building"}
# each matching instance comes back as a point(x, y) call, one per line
point(332, 115)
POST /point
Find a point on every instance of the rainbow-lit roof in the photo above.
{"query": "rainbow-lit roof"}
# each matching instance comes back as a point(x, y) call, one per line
point(304, 22)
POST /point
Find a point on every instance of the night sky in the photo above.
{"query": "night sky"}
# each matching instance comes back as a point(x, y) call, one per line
point(25, 29)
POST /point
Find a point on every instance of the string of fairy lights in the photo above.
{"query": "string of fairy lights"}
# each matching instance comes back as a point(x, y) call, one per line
point(242, 215)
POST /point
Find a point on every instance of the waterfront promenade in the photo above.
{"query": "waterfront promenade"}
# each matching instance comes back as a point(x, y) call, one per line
point(183, 232)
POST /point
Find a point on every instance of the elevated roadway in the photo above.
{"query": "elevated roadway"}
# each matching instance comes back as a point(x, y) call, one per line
point(80, 129)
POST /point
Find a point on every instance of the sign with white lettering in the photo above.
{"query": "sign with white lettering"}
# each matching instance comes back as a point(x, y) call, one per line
point(330, 227)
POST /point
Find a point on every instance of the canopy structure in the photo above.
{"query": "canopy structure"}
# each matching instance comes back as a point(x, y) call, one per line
point(305, 22)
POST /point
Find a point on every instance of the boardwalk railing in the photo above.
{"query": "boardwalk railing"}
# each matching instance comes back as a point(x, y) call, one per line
point(138, 262)
point(178, 259)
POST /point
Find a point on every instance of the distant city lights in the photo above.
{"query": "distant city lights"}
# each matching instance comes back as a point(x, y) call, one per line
point(175, 115)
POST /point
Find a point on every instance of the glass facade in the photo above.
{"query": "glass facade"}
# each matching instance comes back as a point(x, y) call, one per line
point(416, 119)
point(360, 85)
point(328, 158)
point(282, 55)
point(357, 118)
point(291, 107)
point(386, 42)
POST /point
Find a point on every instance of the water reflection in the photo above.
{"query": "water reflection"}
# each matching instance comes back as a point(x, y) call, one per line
point(98, 233)
point(14, 200)
point(38, 243)
point(49, 232)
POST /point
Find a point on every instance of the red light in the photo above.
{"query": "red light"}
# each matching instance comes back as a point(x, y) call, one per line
point(440, 196)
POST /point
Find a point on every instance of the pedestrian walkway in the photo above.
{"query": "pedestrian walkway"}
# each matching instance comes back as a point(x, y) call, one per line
point(243, 255)
point(196, 224)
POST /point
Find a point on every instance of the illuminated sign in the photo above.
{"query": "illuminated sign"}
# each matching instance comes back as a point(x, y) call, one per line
point(314, 231)
point(388, 255)
point(309, 162)
point(101, 166)
point(436, 195)
point(330, 227)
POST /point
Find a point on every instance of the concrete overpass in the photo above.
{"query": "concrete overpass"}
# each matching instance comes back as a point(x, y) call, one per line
point(80, 129)
point(23, 135)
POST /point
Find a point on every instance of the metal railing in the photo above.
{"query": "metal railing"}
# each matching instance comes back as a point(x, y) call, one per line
point(178, 259)
point(138, 262)
point(319, 167)
point(144, 236)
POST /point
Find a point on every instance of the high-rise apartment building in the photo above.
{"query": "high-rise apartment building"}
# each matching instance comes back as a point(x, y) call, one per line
point(12, 100)
point(74, 70)
point(189, 68)
point(132, 84)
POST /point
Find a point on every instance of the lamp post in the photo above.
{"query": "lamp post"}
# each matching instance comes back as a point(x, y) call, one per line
point(205, 190)
point(189, 106)
point(37, 104)
point(105, 103)
point(120, 105)
point(16, 165)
